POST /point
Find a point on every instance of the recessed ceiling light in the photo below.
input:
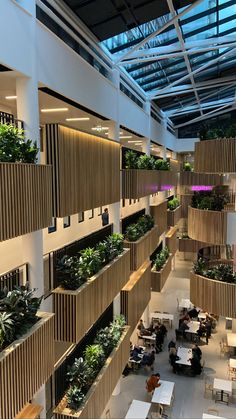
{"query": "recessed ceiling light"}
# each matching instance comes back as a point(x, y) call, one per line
point(126, 136)
point(121, 132)
point(135, 141)
point(138, 144)
point(99, 128)
point(10, 97)
point(78, 119)
point(54, 110)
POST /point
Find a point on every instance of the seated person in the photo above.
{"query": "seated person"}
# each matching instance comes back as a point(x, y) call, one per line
point(153, 382)
point(201, 330)
point(197, 352)
point(148, 358)
point(193, 313)
point(173, 357)
point(184, 325)
point(142, 330)
point(134, 353)
point(195, 366)
point(171, 344)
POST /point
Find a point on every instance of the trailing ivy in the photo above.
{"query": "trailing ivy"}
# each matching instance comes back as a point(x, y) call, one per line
point(73, 271)
point(84, 370)
point(135, 231)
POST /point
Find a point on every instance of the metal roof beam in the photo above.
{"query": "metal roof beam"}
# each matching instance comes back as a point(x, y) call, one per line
point(158, 31)
point(194, 108)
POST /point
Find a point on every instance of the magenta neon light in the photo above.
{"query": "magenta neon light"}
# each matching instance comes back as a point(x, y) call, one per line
point(201, 188)
point(166, 187)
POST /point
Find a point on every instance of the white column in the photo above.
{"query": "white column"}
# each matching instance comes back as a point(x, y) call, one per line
point(40, 398)
point(146, 316)
point(234, 325)
point(27, 111)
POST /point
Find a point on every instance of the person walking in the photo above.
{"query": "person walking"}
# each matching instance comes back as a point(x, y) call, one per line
point(105, 217)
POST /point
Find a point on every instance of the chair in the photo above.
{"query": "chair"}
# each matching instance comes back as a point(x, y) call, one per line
point(212, 410)
point(208, 387)
point(222, 397)
point(179, 334)
point(159, 414)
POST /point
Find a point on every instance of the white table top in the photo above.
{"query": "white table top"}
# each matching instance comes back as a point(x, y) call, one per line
point(185, 354)
point(225, 385)
point(152, 337)
point(185, 303)
point(138, 409)
point(231, 339)
point(193, 327)
point(162, 316)
point(232, 362)
point(163, 393)
point(208, 416)
point(202, 316)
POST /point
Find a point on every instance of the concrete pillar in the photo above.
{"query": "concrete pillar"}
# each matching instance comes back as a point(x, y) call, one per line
point(40, 398)
point(27, 111)
point(146, 316)
point(234, 325)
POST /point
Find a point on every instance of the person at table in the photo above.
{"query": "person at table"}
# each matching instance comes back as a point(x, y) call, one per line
point(153, 382)
point(183, 318)
point(196, 367)
point(183, 327)
point(193, 313)
point(148, 359)
point(171, 344)
point(159, 339)
point(173, 357)
point(163, 330)
point(208, 328)
point(202, 330)
point(142, 330)
point(135, 352)
point(197, 352)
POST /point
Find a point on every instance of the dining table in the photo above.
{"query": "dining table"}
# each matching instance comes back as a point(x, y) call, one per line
point(164, 393)
point(138, 409)
point(208, 416)
point(224, 386)
point(184, 354)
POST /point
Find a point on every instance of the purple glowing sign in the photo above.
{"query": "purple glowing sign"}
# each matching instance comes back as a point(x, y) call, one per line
point(201, 188)
point(166, 187)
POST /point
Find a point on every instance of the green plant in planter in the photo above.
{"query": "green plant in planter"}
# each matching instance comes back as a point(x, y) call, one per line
point(131, 160)
point(68, 272)
point(146, 222)
point(115, 245)
point(173, 204)
point(94, 357)
point(199, 266)
point(161, 164)
point(104, 252)
point(79, 374)
point(14, 147)
point(89, 263)
point(75, 397)
point(132, 233)
point(145, 162)
point(187, 167)
point(7, 329)
point(166, 252)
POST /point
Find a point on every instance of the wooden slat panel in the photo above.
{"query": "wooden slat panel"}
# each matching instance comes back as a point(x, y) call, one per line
point(142, 248)
point(174, 165)
point(101, 390)
point(193, 178)
point(185, 201)
point(171, 240)
point(159, 213)
point(207, 226)
point(173, 217)
point(86, 170)
point(25, 198)
point(215, 156)
point(77, 311)
point(213, 296)
point(136, 294)
point(158, 279)
point(26, 365)
point(139, 183)
point(190, 245)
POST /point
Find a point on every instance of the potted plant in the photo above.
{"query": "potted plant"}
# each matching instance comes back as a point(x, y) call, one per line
point(161, 269)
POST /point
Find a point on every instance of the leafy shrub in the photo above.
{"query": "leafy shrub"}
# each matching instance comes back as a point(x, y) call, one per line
point(161, 259)
point(187, 167)
point(212, 200)
point(173, 204)
point(18, 313)
point(207, 133)
point(145, 162)
point(75, 270)
point(83, 372)
point(137, 230)
point(221, 272)
point(131, 160)
point(14, 147)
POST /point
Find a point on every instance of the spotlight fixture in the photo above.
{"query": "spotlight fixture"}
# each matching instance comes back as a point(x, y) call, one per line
point(78, 119)
point(99, 128)
point(54, 110)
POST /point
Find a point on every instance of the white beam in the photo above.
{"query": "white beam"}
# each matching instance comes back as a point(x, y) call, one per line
point(208, 105)
point(158, 31)
point(215, 112)
point(189, 45)
point(198, 70)
point(180, 54)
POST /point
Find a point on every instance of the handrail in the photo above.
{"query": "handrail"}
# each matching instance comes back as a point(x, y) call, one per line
point(15, 277)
